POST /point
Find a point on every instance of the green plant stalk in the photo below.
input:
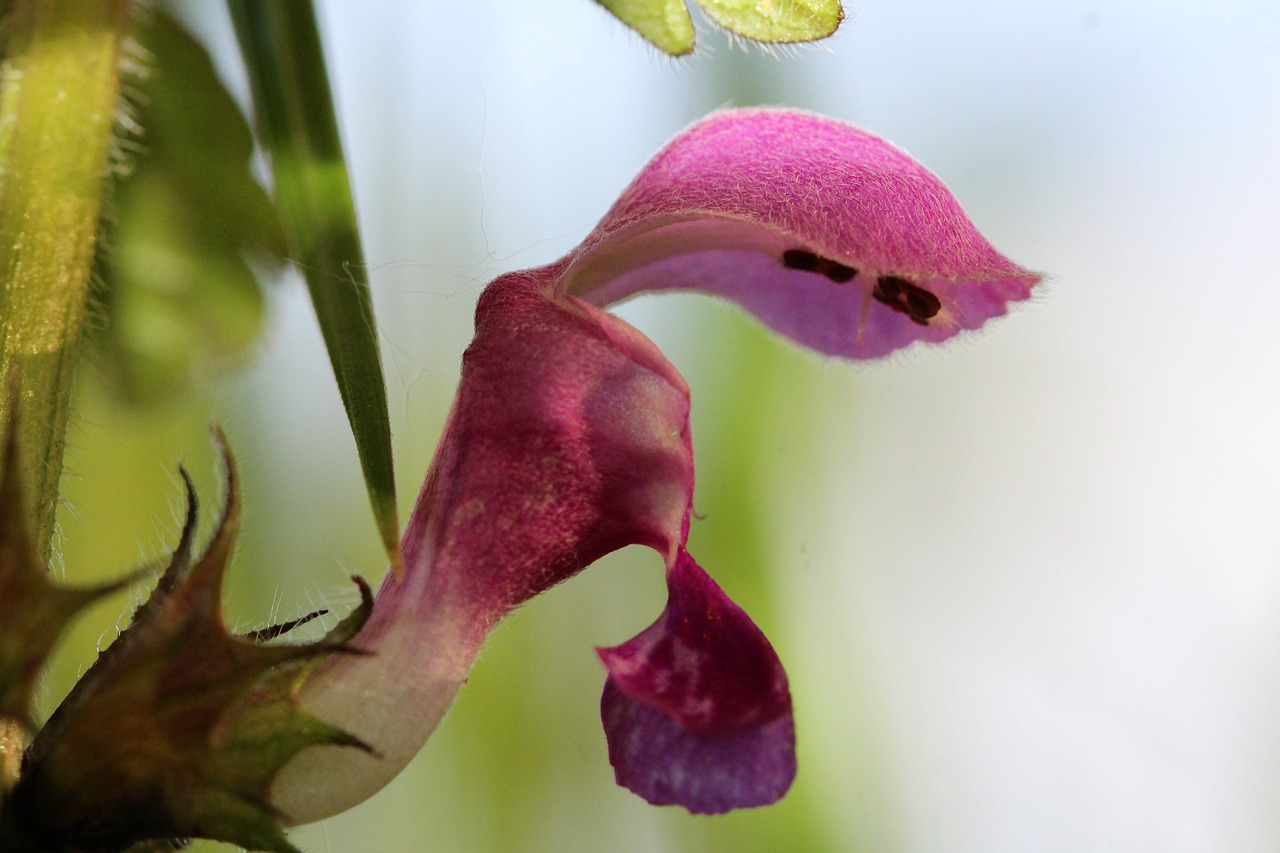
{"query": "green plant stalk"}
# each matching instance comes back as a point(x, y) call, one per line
point(280, 43)
point(57, 114)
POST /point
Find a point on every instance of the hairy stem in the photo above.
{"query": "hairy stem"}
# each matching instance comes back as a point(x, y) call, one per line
point(57, 113)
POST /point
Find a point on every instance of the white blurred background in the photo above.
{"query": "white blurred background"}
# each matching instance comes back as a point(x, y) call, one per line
point(1027, 585)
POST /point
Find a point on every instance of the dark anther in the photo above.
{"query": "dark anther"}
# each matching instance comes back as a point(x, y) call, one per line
point(799, 259)
point(907, 298)
point(802, 259)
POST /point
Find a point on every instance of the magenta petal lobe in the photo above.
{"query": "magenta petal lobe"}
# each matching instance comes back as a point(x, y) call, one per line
point(696, 708)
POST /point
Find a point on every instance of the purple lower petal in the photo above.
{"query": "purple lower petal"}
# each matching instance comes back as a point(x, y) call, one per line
point(696, 708)
point(666, 764)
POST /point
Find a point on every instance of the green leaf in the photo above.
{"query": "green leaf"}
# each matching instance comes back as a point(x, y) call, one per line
point(179, 296)
point(296, 122)
point(776, 21)
point(664, 23)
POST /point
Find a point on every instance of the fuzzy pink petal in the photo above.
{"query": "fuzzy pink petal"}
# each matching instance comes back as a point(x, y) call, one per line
point(696, 708)
point(806, 222)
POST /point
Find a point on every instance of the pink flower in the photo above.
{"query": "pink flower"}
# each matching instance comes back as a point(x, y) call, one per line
point(569, 438)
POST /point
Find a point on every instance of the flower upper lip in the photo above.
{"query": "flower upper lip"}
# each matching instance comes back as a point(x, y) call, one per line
point(718, 209)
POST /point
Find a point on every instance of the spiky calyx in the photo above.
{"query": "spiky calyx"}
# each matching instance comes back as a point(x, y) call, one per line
point(180, 727)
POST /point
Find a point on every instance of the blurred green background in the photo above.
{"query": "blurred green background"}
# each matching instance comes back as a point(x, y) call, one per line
point(1027, 586)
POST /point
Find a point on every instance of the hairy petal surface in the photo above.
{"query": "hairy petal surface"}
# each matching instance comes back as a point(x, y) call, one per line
point(830, 235)
point(696, 708)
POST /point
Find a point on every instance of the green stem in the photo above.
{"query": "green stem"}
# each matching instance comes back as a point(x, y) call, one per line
point(57, 113)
